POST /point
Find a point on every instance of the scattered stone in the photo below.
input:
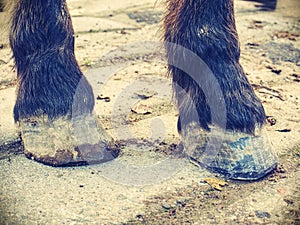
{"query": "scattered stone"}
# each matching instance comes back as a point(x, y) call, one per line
point(296, 77)
point(256, 24)
point(253, 44)
point(181, 202)
point(212, 195)
point(123, 31)
point(100, 97)
point(140, 217)
point(145, 93)
point(271, 120)
point(262, 214)
point(274, 70)
point(289, 201)
point(166, 206)
point(280, 169)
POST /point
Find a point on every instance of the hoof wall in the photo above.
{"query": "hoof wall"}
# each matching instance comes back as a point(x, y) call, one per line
point(236, 155)
point(66, 142)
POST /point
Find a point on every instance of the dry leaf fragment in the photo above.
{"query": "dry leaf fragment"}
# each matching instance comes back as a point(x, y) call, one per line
point(215, 183)
point(141, 108)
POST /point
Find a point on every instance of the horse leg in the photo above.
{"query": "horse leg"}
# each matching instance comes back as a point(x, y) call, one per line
point(220, 118)
point(55, 102)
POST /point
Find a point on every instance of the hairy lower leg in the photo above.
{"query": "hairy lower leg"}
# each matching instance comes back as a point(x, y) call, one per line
point(50, 82)
point(55, 102)
point(207, 28)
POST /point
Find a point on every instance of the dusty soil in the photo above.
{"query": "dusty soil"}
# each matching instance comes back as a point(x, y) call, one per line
point(118, 48)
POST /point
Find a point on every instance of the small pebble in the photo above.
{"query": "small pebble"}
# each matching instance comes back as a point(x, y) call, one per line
point(261, 214)
point(166, 206)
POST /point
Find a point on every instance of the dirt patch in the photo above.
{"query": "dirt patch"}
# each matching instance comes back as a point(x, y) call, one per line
point(149, 17)
point(279, 52)
point(236, 203)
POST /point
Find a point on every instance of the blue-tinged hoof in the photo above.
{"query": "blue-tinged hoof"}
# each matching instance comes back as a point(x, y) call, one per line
point(66, 142)
point(236, 155)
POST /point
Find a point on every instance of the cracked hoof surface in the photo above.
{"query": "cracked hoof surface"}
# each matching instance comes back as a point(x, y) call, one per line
point(236, 155)
point(66, 142)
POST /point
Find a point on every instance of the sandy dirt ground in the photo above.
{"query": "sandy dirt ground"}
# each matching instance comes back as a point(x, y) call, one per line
point(118, 48)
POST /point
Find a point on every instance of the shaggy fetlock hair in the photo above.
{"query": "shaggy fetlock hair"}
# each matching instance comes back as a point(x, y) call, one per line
point(50, 82)
point(207, 28)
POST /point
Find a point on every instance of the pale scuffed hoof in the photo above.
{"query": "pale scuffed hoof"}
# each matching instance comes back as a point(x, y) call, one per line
point(66, 142)
point(236, 155)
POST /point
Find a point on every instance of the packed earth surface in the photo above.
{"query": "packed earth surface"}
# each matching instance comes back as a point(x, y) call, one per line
point(119, 48)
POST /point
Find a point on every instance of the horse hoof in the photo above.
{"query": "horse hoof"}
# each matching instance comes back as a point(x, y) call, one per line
point(236, 155)
point(66, 142)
